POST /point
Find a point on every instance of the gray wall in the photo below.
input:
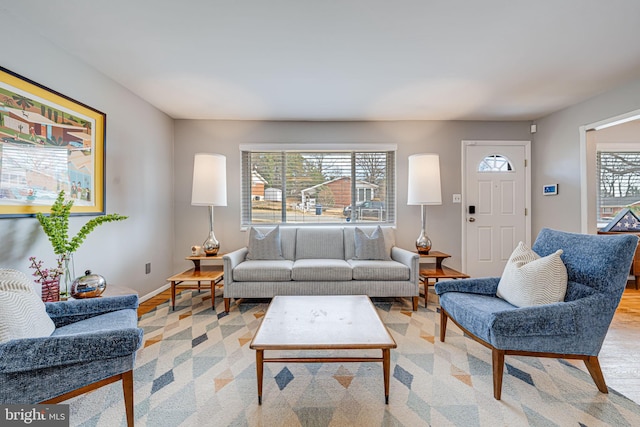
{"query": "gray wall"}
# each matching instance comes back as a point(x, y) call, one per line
point(139, 173)
point(556, 155)
point(151, 184)
point(224, 137)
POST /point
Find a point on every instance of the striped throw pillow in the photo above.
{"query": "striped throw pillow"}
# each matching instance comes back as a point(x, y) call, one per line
point(530, 280)
point(22, 312)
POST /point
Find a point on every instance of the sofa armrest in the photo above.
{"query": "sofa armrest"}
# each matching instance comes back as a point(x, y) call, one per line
point(230, 261)
point(65, 312)
point(38, 353)
point(482, 286)
point(410, 259)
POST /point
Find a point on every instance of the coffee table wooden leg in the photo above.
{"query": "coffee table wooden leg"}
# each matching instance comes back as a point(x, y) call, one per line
point(386, 362)
point(259, 367)
point(173, 295)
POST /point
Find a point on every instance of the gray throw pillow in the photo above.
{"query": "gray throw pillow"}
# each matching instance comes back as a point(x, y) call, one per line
point(264, 246)
point(370, 247)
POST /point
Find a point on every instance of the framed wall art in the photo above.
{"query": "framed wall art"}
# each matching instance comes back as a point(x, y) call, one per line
point(48, 143)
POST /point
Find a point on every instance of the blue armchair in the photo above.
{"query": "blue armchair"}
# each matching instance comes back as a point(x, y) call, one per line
point(597, 268)
point(94, 344)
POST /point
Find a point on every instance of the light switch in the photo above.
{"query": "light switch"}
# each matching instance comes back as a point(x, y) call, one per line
point(457, 198)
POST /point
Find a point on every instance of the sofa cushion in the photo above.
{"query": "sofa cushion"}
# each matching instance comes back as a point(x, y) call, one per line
point(378, 270)
point(263, 271)
point(264, 245)
point(529, 280)
point(349, 239)
point(22, 312)
point(319, 243)
point(370, 246)
point(321, 269)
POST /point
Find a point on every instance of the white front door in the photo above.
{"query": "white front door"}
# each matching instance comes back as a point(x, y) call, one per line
point(496, 196)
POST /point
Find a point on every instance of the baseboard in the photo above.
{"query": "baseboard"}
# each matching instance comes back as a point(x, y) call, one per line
point(154, 293)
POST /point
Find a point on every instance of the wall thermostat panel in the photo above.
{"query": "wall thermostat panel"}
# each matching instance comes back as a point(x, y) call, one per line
point(550, 189)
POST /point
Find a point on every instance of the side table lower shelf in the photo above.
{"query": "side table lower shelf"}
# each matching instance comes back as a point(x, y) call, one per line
point(207, 273)
point(437, 273)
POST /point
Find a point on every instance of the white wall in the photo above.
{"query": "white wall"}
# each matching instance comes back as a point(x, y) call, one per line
point(556, 155)
point(224, 137)
point(139, 173)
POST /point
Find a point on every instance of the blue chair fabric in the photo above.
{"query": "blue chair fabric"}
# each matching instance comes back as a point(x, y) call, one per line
point(597, 268)
point(94, 344)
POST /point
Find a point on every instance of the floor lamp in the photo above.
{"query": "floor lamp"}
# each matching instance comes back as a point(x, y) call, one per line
point(209, 189)
point(424, 189)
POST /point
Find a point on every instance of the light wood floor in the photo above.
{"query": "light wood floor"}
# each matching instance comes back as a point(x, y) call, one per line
point(619, 357)
point(620, 354)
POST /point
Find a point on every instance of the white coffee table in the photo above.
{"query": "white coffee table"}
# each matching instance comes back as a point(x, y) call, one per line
point(348, 322)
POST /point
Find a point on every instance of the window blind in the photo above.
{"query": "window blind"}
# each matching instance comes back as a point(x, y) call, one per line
point(618, 182)
point(318, 186)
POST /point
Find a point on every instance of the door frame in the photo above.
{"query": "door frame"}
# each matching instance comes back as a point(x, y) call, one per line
point(527, 196)
point(587, 171)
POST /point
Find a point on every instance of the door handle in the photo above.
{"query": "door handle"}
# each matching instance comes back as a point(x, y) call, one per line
point(472, 219)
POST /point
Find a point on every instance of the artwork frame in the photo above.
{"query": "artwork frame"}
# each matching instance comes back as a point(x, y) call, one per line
point(48, 142)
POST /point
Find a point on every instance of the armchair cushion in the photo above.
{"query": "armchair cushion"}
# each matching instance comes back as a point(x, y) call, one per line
point(529, 279)
point(22, 312)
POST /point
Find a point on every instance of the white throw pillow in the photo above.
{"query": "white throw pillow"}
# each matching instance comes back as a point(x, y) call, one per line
point(530, 280)
point(22, 312)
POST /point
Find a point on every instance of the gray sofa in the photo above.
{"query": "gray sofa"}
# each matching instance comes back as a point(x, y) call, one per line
point(317, 260)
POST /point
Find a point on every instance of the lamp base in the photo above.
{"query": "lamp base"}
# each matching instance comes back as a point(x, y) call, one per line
point(423, 244)
point(211, 246)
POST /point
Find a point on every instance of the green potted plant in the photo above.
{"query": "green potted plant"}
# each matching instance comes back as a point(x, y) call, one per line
point(56, 227)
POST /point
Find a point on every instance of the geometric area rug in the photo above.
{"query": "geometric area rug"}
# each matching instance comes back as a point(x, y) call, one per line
point(195, 368)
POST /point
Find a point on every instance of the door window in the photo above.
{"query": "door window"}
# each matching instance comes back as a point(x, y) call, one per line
point(495, 163)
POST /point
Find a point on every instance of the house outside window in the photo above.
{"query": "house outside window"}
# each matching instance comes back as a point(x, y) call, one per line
point(287, 184)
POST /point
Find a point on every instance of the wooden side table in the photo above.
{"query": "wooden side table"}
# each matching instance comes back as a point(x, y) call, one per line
point(439, 257)
point(437, 271)
point(196, 259)
point(210, 273)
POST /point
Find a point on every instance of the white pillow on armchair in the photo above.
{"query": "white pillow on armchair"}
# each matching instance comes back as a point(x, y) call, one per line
point(530, 280)
point(22, 312)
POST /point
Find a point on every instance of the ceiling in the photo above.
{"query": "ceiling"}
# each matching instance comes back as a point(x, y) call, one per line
point(348, 59)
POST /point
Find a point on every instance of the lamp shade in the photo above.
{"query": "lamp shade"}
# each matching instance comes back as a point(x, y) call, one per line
point(424, 180)
point(209, 180)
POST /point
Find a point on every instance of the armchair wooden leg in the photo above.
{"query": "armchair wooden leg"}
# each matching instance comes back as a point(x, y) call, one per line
point(415, 303)
point(443, 324)
point(498, 370)
point(227, 304)
point(593, 365)
point(127, 388)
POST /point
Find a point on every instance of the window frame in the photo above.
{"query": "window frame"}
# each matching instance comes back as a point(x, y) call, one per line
point(246, 174)
point(609, 148)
